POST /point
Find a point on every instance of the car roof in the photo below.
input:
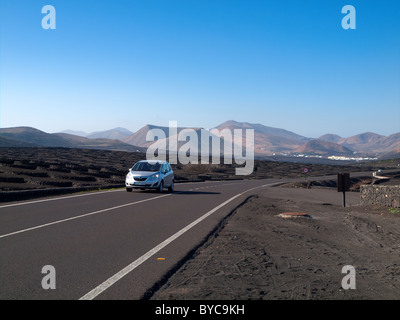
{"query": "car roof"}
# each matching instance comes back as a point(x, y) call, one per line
point(154, 161)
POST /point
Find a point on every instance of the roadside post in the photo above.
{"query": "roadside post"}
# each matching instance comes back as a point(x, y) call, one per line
point(305, 170)
point(343, 185)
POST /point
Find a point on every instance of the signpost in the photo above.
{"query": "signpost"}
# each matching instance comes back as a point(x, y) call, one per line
point(305, 170)
point(343, 185)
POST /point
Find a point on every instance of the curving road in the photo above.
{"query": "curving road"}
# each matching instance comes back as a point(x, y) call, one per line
point(108, 245)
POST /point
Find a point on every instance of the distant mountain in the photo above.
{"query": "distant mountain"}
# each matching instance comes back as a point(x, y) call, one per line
point(390, 143)
point(34, 136)
point(391, 147)
point(394, 154)
point(10, 143)
point(268, 140)
point(101, 144)
point(330, 138)
point(139, 138)
point(115, 134)
point(31, 137)
point(75, 133)
point(367, 142)
point(323, 148)
point(260, 128)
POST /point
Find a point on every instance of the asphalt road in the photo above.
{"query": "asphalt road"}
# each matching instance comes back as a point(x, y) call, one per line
point(111, 244)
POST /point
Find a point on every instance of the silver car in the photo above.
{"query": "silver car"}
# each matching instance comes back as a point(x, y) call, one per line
point(150, 174)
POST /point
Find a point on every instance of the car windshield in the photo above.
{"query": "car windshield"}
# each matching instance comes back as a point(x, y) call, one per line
point(146, 166)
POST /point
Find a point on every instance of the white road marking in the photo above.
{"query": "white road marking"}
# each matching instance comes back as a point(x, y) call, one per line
point(82, 216)
point(113, 279)
point(129, 268)
point(91, 194)
point(59, 198)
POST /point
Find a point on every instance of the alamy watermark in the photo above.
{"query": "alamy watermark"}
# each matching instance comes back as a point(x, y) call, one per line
point(349, 280)
point(197, 146)
point(49, 280)
point(49, 20)
point(349, 20)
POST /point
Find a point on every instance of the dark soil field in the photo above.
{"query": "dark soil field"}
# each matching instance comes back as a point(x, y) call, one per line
point(34, 168)
point(63, 168)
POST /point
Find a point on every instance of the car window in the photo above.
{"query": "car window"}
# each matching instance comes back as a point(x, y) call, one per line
point(146, 166)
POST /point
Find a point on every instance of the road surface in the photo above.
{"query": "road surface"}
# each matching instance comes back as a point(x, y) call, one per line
point(110, 244)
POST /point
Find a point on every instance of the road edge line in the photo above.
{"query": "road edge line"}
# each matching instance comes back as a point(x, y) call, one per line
point(123, 272)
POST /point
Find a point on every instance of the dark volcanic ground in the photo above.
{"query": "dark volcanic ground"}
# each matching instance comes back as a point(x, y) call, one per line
point(27, 173)
point(38, 168)
point(257, 254)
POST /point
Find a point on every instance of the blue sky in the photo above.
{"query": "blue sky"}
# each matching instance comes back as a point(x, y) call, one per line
point(127, 63)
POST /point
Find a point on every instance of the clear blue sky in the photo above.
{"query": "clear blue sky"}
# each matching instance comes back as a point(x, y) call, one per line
point(126, 63)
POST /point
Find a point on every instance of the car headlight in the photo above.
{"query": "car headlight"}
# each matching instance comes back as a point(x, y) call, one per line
point(153, 177)
point(129, 175)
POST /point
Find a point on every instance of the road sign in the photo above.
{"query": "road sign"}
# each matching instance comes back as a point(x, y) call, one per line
point(305, 170)
point(343, 185)
point(343, 182)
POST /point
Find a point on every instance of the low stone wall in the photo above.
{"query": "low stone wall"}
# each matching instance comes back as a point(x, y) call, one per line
point(380, 195)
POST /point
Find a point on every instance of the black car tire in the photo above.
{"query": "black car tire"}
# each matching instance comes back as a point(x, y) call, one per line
point(129, 189)
point(171, 187)
point(161, 187)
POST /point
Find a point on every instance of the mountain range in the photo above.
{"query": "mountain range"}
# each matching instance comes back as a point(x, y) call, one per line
point(31, 137)
point(114, 134)
point(267, 140)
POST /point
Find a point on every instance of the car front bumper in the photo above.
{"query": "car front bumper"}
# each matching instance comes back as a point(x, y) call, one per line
point(131, 183)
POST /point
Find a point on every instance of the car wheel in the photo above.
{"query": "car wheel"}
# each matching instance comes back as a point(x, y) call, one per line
point(129, 189)
point(161, 187)
point(171, 187)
